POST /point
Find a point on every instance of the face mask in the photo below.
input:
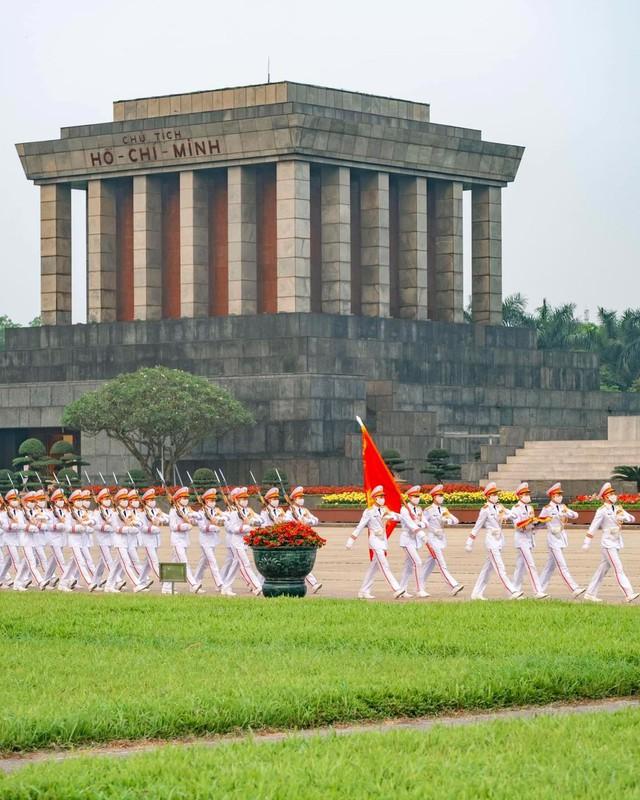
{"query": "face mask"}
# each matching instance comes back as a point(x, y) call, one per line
point(244, 503)
point(380, 501)
point(415, 499)
point(152, 503)
point(557, 499)
point(439, 499)
point(210, 503)
point(14, 503)
point(274, 503)
point(493, 498)
point(526, 498)
point(613, 499)
point(86, 503)
point(42, 504)
point(59, 503)
point(299, 501)
point(123, 503)
point(184, 501)
point(107, 503)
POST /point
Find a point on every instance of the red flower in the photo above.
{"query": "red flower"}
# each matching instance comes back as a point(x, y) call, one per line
point(285, 534)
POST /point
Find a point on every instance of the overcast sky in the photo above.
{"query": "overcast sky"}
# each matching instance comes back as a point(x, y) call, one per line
point(560, 77)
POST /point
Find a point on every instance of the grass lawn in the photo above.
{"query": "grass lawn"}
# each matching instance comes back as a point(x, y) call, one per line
point(83, 668)
point(590, 756)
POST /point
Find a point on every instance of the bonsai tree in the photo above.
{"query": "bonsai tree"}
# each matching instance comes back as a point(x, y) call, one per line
point(68, 477)
point(438, 466)
point(203, 478)
point(394, 461)
point(32, 462)
point(625, 473)
point(158, 414)
point(8, 480)
point(136, 479)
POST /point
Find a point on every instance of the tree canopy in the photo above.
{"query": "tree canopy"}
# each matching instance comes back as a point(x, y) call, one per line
point(159, 414)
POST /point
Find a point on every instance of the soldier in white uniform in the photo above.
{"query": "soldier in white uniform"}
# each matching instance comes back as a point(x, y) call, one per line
point(298, 513)
point(28, 528)
point(240, 520)
point(436, 517)
point(5, 558)
point(57, 536)
point(125, 532)
point(525, 522)
point(104, 523)
point(412, 531)
point(609, 519)
point(150, 518)
point(556, 514)
point(493, 515)
point(37, 516)
point(210, 519)
point(374, 519)
point(11, 521)
point(181, 519)
point(78, 526)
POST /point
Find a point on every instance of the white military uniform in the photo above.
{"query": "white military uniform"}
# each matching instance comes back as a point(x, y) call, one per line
point(491, 518)
point(28, 529)
point(412, 526)
point(558, 514)
point(77, 528)
point(239, 521)
point(436, 518)
point(104, 520)
point(10, 527)
point(209, 521)
point(373, 521)
point(150, 518)
point(125, 531)
point(609, 519)
point(5, 557)
point(181, 519)
point(525, 541)
point(301, 514)
point(55, 540)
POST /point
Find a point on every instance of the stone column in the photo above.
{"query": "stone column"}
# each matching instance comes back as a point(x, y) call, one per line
point(444, 204)
point(55, 254)
point(374, 199)
point(486, 255)
point(101, 251)
point(412, 250)
point(243, 294)
point(194, 245)
point(294, 236)
point(335, 214)
point(147, 248)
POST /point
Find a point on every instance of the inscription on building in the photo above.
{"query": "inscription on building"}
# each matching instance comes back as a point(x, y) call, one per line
point(172, 144)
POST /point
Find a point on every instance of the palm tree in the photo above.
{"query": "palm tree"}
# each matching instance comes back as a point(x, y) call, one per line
point(624, 473)
point(514, 312)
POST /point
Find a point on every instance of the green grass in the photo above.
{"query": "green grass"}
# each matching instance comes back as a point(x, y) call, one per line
point(589, 756)
point(84, 668)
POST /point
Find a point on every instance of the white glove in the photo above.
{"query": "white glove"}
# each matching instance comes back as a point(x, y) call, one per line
point(349, 543)
point(587, 543)
point(155, 530)
point(33, 529)
point(60, 526)
point(468, 544)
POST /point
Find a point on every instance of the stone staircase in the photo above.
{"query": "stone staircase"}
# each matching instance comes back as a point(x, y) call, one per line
point(581, 465)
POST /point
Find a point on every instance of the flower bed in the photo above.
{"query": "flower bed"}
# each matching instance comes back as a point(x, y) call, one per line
point(454, 499)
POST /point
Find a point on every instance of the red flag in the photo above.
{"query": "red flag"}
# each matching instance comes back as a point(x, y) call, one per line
point(377, 473)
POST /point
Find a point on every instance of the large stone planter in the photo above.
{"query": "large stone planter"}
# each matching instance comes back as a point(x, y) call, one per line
point(284, 569)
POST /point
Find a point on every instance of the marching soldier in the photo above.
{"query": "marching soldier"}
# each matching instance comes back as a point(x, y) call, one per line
point(436, 517)
point(210, 520)
point(150, 518)
point(557, 513)
point(525, 522)
point(375, 519)
point(125, 532)
point(412, 529)
point(5, 558)
point(104, 521)
point(181, 518)
point(609, 519)
point(298, 513)
point(28, 527)
point(272, 513)
point(491, 518)
point(239, 521)
point(10, 522)
point(57, 536)
point(78, 524)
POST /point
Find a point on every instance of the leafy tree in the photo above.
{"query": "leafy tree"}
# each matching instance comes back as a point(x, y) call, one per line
point(438, 466)
point(158, 414)
point(396, 463)
point(624, 473)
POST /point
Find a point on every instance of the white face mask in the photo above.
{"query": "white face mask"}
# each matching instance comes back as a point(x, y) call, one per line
point(184, 501)
point(274, 503)
point(439, 499)
point(210, 503)
point(151, 503)
point(14, 503)
point(244, 502)
point(107, 503)
point(42, 504)
point(86, 503)
point(59, 503)
point(526, 498)
point(380, 501)
point(613, 499)
point(493, 498)
point(299, 501)
point(557, 499)
point(415, 499)
point(123, 503)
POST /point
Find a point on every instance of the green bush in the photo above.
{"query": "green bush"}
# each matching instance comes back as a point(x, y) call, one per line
point(69, 476)
point(61, 448)
point(394, 461)
point(32, 448)
point(203, 478)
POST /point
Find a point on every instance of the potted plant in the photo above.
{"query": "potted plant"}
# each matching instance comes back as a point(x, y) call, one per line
point(284, 555)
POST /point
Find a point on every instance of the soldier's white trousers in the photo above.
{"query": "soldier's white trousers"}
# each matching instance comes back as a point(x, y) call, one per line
point(12, 558)
point(312, 580)
point(412, 566)
point(180, 557)
point(208, 559)
point(57, 561)
point(610, 559)
point(79, 565)
point(241, 563)
point(150, 563)
point(525, 563)
point(28, 568)
point(494, 562)
point(379, 562)
point(436, 558)
point(556, 560)
point(125, 566)
point(105, 563)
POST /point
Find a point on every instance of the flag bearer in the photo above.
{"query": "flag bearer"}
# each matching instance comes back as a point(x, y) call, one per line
point(525, 522)
point(491, 518)
point(436, 517)
point(150, 518)
point(181, 519)
point(298, 513)
point(557, 513)
point(411, 532)
point(609, 519)
point(240, 520)
point(374, 519)
point(210, 520)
